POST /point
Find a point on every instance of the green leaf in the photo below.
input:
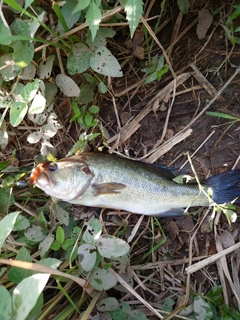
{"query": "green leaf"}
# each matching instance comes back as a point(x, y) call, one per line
point(168, 305)
point(183, 6)
point(81, 5)
point(21, 223)
point(93, 17)
point(102, 279)
point(5, 304)
point(134, 10)
point(23, 53)
point(87, 256)
point(60, 236)
point(4, 32)
point(107, 304)
point(15, 274)
point(7, 223)
point(35, 233)
point(86, 94)
point(79, 58)
point(55, 246)
point(38, 104)
point(102, 87)
point(202, 309)
point(221, 115)
point(29, 91)
point(26, 294)
point(88, 119)
point(61, 214)
point(17, 113)
point(111, 247)
point(9, 70)
point(37, 309)
point(67, 85)
point(20, 27)
point(69, 14)
point(93, 232)
point(94, 109)
point(45, 245)
point(105, 63)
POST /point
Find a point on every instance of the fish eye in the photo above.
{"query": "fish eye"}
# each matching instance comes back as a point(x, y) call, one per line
point(52, 167)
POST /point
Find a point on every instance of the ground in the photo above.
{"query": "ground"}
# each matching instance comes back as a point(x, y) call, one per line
point(212, 143)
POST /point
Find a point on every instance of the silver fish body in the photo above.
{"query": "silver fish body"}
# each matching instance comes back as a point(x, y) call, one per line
point(108, 181)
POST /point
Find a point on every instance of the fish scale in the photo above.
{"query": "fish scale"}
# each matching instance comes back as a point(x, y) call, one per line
point(108, 181)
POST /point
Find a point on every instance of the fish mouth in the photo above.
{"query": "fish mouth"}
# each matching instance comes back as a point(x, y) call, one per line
point(39, 175)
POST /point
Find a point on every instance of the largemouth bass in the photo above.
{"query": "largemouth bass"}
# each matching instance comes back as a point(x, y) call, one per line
point(107, 181)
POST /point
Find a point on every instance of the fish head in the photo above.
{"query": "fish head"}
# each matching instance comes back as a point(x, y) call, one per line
point(63, 179)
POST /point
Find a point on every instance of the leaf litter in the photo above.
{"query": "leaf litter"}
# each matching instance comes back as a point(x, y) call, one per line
point(189, 86)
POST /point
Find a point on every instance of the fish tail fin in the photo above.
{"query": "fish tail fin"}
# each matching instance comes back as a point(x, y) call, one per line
point(225, 187)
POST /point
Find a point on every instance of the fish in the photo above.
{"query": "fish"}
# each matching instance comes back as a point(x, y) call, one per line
point(103, 180)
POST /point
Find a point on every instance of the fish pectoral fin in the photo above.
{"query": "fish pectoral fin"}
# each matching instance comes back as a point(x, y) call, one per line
point(105, 188)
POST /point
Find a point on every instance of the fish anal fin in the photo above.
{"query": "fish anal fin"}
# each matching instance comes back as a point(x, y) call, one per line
point(171, 213)
point(107, 188)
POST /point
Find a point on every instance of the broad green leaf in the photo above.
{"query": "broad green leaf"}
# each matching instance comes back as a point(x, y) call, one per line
point(202, 309)
point(50, 93)
point(37, 309)
point(5, 304)
point(29, 72)
point(45, 245)
point(86, 94)
point(4, 32)
point(168, 305)
point(69, 14)
point(107, 304)
point(51, 262)
point(67, 85)
point(34, 137)
point(100, 39)
point(29, 91)
point(7, 223)
point(93, 17)
point(111, 247)
point(87, 256)
point(26, 294)
point(20, 27)
point(23, 53)
point(79, 58)
point(105, 63)
point(16, 275)
point(122, 262)
point(102, 87)
point(17, 113)
point(134, 10)
point(35, 233)
point(88, 119)
point(9, 70)
point(60, 236)
point(21, 223)
point(102, 279)
point(183, 6)
point(94, 109)
point(38, 104)
point(93, 232)
point(45, 67)
point(28, 3)
point(61, 214)
point(81, 5)
point(3, 139)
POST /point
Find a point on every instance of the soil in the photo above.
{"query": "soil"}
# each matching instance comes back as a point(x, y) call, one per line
point(220, 151)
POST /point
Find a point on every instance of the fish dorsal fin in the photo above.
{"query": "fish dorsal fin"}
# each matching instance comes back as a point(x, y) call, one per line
point(107, 188)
